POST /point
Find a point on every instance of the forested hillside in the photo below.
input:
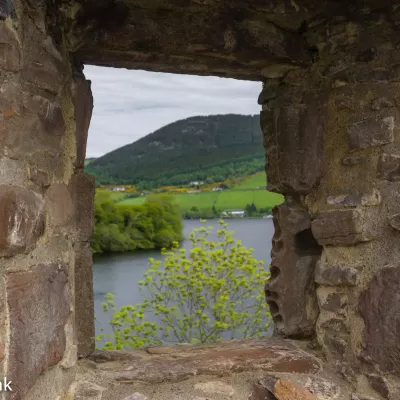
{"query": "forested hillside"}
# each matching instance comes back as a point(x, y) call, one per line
point(213, 148)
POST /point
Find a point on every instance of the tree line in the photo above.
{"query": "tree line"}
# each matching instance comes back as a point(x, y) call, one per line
point(155, 224)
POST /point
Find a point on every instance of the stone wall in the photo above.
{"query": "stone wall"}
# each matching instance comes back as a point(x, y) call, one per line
point(331, 73)
point(332, 140)
point(46, 209)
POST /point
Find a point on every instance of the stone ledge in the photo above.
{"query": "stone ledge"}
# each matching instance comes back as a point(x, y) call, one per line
point(230, 370)
point(181, 362)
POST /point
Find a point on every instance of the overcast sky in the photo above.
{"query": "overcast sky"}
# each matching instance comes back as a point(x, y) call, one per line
point(131, 104)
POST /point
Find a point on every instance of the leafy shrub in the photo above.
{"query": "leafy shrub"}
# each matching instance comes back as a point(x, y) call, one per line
point(211, 292)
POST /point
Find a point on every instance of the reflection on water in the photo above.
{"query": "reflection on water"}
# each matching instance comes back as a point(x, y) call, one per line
point(119, 273)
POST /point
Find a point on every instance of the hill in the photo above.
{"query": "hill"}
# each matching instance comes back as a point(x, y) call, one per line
point(214, 147)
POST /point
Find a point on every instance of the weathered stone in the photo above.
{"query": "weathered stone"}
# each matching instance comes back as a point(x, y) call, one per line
point(284, 389)
point(351, 161)
point(322, 388)
point(334, 302)
point(259, 392)
point(59, 205)
point(39, 177)
point(38, 301)
point(294, 255)
point(354, 200)
point(395, 72)
point(389, 167)
point(394, 221)
point(340, 227)
point(83, 102)
point(381, 102)
point(372, 75)
point(269, 355)
point(136, 396)
point(268, 92)
point(330, 275)
point(336, 336)
point(85, 390)
point(5, 9)
point(82, 189)
point(379, 306)
point(379, 384)
point(366, 55)
point(21, 220)
point(84, 300)
point(49, 114)
point(10, 58)
point(294, 158)
point(9, 101)
point(361, 397)
point(371, 132)
point(215, 387)
point(43, 71)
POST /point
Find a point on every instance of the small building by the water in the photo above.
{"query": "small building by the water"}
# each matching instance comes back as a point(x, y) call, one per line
point(233, 214)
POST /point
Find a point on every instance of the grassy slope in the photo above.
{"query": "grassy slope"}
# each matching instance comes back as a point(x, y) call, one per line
point(229, 200)
point(243, 194)
point(255, 181)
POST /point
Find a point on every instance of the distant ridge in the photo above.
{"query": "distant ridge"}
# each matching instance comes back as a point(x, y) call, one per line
point(213, 147)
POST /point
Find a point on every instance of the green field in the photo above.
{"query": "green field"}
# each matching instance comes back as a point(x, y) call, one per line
point(258, 180)
point(229, 200)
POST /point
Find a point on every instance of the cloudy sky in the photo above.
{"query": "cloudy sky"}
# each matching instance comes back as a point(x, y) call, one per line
point(131, 104)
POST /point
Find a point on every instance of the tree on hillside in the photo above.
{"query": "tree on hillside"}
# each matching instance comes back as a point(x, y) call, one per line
point(211, 292)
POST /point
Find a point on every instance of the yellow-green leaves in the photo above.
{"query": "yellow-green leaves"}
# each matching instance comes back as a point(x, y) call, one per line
point(212, 292)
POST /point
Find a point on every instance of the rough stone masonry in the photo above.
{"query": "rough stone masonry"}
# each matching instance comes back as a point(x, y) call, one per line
point(331, 82)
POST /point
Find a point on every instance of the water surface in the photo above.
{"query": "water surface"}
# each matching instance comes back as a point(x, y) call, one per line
point(119, 273)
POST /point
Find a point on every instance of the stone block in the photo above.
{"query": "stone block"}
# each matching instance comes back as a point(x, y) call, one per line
point(139, 396)
point(82, 189)
point(49, 114)
point(58, 205)
point(334, 302)
point(39, 177)
point(331, 275)
point(361, 397)
point(381, 103)
point(336, 336)
point(394, 221)
point(84, 390)
point(285, 389)
point(269, 91)
point(290, 291)
point(83, 103)
point(352, 160)
point(84, 301)
point(215, 387)
point(341, 227)
point(259, 392)
point(9, 100)
point(10, 57)
point(354, 200)
point(379, 306)
point(371, 132)
point(5, 9)
point(38, 301)
point(389, 167)
point(379, 384)
point(293, 145)
point(21, 220)
point(44, 71)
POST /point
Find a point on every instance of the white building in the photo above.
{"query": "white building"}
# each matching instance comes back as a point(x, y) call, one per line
point(117, 189)
point(233, 214)
point(196, 183)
